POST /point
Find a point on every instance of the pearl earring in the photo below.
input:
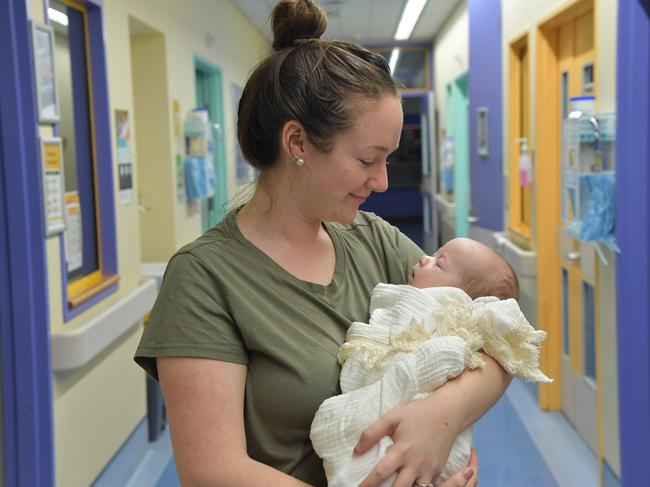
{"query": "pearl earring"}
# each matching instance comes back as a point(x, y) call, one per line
point(299, 161)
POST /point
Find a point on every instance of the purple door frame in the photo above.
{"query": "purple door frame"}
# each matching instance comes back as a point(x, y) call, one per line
point(633, 237)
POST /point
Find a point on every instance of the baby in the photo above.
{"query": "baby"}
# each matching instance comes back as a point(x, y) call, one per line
point(467, 264)
point(458, 301)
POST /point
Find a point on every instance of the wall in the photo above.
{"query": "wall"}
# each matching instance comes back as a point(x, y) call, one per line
point(450, 60)
point(98, 406)
point(451, 55)
point(485, 91)
point(153, 147)
point(633, 234)
point(520, 17)
point(200, 31)
point(517, 19)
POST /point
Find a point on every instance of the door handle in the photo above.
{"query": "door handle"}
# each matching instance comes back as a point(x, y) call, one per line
point(573, 256)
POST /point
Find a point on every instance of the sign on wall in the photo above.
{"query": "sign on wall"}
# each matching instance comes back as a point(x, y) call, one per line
point(47, 100)
point(52, 154)
point(124, 156)
point(73, 233)
point(178, 152)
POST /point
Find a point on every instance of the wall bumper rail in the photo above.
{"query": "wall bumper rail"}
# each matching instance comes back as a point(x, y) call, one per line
point(72, 349)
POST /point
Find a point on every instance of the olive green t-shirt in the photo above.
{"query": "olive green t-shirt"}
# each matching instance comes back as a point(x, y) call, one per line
point(222, 298)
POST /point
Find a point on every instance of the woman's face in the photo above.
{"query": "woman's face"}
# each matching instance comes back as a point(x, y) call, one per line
point(336, 183)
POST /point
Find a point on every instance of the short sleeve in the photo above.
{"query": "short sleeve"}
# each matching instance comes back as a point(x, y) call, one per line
point(401, 248)
point(190, 318)
point(408, 252)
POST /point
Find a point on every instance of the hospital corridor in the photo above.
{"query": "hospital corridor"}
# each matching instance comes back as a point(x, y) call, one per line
point(139, 137)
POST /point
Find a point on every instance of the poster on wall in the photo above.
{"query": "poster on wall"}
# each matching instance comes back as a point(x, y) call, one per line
point(73, 232)
point(242, 171)
point(124, 156)
point(52, 153)
point(178, 151)
point(47, 100)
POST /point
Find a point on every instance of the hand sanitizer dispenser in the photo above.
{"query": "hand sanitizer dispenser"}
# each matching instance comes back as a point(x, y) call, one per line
point(525, 165)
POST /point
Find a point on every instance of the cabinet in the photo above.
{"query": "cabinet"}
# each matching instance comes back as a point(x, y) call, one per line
point(588, 176)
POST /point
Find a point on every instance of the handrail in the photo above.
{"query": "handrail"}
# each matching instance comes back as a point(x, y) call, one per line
point(72, 349)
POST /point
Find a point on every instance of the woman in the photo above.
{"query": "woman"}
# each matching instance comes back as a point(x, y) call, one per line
point(250, 316)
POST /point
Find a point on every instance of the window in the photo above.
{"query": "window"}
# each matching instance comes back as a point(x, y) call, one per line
point(565, 312)
point(90, 266)
point(564, 94)
point(589, 324)
point(588, 79)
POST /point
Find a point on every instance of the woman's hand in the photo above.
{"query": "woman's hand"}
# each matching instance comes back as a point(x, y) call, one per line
point(467, 477)
point(423, 433)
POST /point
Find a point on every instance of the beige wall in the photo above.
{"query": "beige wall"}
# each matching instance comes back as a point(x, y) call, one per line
point(95, 411)
point(519, 18)
point(97, 407)
point(450, 55)
point(155, 172)
point(201, 30)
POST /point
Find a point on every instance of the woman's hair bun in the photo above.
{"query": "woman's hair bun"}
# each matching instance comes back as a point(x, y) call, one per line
point(296, 19)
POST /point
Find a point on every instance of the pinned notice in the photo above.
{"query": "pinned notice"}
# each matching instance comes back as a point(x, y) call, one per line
point(53, 185)
point(73, 233)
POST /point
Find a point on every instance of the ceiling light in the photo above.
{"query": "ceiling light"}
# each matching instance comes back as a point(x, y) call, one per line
point(57, 16)
point(410, 16)
point(394, 56)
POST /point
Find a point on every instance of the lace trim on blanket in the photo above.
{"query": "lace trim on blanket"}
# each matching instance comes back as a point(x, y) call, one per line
point(517, 350)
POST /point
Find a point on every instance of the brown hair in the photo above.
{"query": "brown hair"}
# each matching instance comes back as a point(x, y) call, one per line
point(503, 284)
point(307, 79)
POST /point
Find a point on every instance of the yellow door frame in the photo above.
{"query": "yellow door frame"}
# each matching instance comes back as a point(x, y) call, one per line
point(519, 199)
point(547, 194)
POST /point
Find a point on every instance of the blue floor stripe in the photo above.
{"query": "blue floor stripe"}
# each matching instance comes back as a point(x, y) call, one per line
point(507, 455)
point(568, 457)
point(169, 477)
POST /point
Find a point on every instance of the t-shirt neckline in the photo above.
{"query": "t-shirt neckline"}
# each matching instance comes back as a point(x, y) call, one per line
point(339, 253)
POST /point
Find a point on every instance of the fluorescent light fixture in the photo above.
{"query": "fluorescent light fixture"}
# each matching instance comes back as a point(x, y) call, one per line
point(394, 56)
point(57, 16)
point(410, 16)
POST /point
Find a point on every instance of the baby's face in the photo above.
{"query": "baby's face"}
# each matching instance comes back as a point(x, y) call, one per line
point(444, 268)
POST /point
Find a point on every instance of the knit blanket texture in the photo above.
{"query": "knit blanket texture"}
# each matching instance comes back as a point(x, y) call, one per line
point(416, 340)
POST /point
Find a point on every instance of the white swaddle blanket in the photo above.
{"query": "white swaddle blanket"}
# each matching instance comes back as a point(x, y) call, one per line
point(417, 340)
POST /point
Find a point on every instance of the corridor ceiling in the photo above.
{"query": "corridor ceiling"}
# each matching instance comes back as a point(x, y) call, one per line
point(366, 22)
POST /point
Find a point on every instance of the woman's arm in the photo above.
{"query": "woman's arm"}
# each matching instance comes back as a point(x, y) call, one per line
point(423, 431)
point(205, 409)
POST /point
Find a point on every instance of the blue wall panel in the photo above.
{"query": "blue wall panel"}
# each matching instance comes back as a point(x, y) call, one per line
point(486, 177)
point(633, 237)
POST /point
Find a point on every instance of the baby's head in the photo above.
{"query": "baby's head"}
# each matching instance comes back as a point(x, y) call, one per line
point(469, 265)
